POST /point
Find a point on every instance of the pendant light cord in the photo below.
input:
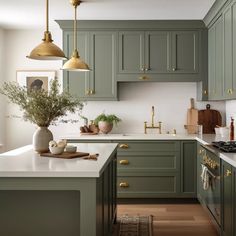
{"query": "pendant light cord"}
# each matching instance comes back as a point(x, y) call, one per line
point(47, 10)
point(75, 29)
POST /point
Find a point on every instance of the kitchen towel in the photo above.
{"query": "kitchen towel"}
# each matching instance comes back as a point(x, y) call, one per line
point(205, 177)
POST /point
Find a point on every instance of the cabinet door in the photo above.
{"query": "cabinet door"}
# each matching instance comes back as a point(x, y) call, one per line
point(102, 62)
point(228, 53)
point(185, 52)
point(234, 50)
point(76, 83)
point(215, 60)
point(188, 180)
point(131, 52)
point(157, 52)
point(227, 212)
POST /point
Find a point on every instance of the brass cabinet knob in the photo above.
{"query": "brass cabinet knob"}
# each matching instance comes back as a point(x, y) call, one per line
point(200, 151)
point(124, 146)
point(230, 91)
point(173, 69)
point(124, 162)
point(147, 68)
point(228, 173)
point(124, 185)
point(205, 92)
point(143, 68)
point(144, 78)
point(91, 92)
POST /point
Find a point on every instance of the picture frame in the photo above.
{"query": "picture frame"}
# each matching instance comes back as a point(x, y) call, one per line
point(35, 79)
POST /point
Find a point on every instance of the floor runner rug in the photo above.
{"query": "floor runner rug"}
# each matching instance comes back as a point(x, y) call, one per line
point(135, 225)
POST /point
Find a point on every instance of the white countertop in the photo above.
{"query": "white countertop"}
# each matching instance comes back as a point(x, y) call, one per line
point(205, 139)
point(24, 162)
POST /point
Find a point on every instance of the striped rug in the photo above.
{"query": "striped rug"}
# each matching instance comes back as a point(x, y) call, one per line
point(135, 225)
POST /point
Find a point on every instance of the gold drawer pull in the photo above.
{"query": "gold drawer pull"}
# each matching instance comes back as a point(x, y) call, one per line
point(228, 173)
point(124, 162)
point(124, 146)
point(144, 78)
point(124, 185)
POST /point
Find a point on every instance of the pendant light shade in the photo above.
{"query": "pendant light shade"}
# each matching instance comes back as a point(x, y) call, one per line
point(47, 50)
point(75, 63)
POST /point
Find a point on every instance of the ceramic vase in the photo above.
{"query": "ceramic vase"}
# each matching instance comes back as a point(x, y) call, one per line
point(41, 138)
point(105, 127)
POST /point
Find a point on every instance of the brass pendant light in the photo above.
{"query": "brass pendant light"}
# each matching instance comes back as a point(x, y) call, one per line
point(75, 63)
point(47, 50)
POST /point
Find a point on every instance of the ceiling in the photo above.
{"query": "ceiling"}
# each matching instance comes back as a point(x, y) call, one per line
point(31, 14)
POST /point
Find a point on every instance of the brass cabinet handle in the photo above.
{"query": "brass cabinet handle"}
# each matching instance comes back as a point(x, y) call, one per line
point(173, 69)
point(91, 92)
point(147, 68)
point(124, 185)
point(143, 77)
point(205, 92)
point(230, 91)
point(228, 173)
point(124, 162)
point(124, 146)
point(200, 151)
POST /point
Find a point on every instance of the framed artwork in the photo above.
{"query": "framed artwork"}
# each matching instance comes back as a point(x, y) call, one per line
point(33, 79)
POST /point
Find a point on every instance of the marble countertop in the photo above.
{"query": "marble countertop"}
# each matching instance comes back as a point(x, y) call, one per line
point(24, 162)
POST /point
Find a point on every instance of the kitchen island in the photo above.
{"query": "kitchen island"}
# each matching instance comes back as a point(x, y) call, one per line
point(51, 196)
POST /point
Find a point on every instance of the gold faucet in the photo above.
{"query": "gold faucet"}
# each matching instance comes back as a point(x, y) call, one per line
point(152, 124)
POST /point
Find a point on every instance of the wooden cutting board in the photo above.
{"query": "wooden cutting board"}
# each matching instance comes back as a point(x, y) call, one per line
point(192, 118)
point(65, 155)
point(209, 119)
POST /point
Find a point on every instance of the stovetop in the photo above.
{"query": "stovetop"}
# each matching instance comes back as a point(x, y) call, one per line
point(229, 146)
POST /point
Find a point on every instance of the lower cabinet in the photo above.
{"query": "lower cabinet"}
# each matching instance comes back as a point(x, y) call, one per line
point(228, 190)
point(156, 169)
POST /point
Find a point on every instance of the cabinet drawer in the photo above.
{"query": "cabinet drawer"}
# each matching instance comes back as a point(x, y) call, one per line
point(158, 162)
point(148, 186)
point(144, 147)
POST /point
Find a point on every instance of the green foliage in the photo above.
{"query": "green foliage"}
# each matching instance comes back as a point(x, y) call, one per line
point(39, 106)
point(108, 118)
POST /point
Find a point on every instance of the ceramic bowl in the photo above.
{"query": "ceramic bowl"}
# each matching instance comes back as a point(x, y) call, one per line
point(56, 150)
point(71, 148)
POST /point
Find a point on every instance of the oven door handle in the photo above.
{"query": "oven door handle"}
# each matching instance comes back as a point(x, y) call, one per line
point(212, 175)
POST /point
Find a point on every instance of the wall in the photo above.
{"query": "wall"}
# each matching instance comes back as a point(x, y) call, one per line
point(171, 100)
point(2, 102)
point(230, 111)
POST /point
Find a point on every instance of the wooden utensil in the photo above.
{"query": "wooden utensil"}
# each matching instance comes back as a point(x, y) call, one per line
point(209, 119)
point(192, 118)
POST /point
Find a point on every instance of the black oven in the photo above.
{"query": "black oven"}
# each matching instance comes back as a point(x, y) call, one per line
point(211, 194)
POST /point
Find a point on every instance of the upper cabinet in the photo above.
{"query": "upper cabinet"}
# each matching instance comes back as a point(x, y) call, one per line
point(158, 56)
point(215, 60)
point(222, 50)
point(98, 50)
point(127, 51)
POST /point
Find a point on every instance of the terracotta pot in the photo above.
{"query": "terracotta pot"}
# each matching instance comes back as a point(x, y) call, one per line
point(105, 127)
point(41, 138)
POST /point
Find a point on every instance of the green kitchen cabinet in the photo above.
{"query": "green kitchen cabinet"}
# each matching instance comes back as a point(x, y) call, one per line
point(156, 169)
point(227, 200)
point(158, 55)
point(215, 60)
point(102, 62)
point(229, 81)
point(185, 52)
point(189, 168)
point(98, 50)
point(143, 52)
point(76, 83)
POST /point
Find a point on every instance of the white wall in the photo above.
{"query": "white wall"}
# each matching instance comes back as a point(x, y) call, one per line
point(230, 111)
point(171, 100)
point(2, 103)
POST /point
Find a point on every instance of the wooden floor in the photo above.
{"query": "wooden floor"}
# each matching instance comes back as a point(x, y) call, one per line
point(173, 219)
